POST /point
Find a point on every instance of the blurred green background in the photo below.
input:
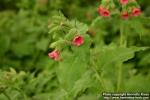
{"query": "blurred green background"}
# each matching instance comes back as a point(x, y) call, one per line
point(24, 38)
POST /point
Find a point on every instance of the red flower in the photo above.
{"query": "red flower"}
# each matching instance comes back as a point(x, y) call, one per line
point(136, 12)
point(78, 40)
point(103, 11)
point(54, 55)
point(125, 15)
point(124, 2)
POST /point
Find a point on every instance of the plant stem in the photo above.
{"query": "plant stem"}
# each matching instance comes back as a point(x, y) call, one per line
point(119, 82)
point(122, 44)
point(98, 76)
point(122, 36)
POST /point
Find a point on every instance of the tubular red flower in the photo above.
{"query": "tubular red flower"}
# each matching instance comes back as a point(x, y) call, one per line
point(78, 40)
point(124, 2)
point(136, 12)
point(103, 11)
point(125, 15)
point(54, 55)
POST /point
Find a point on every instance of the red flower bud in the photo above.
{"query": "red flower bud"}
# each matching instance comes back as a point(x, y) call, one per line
point(103, 11)
point(125, 15)
point(136, 12)
point(78, 40)
point(124, 2)
point(54, 55)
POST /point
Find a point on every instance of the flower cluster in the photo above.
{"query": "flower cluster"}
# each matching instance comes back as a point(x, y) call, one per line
point(103, 11)
point(78, 40)
point(124, 2)
point(54, 55)
point(129, 8)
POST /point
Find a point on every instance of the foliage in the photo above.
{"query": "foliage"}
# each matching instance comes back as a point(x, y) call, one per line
point(114, 56)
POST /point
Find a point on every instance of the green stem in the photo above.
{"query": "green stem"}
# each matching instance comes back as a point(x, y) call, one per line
point(119, 82)
point(122, 44)
point(122, 36)
point(100, 79)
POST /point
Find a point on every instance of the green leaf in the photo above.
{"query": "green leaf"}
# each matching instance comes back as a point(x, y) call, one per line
point(138, 83)
point(82, 84)
point(58, 44)
point(110, 55)
point(145, 60)
point(70, 70)
point(88, 97)
point(4, 43)
point(71, 34)
point(107, 61)
point(74, 65)
point(42, 44)
point(23, 49)
point(81, 28)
